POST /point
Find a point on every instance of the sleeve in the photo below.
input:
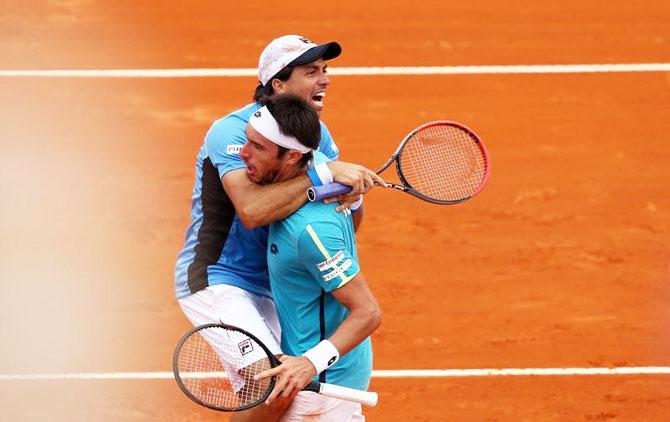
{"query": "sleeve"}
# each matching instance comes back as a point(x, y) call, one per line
point(223, 143)
point(323, 252)
point(327, 145)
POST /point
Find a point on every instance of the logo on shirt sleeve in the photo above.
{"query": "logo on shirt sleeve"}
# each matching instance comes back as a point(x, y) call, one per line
point(338, 271)
point(330, 262)
point(332, 267)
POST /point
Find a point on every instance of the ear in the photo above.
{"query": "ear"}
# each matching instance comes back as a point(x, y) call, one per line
point(292, 156)
point(278, 86)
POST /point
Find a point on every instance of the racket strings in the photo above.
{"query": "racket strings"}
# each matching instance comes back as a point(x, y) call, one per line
point(217, 366)
point(443, 162)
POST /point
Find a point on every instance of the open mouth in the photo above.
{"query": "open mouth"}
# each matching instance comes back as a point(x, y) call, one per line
point(250, 172)
point(249, 169)
point(318, 98)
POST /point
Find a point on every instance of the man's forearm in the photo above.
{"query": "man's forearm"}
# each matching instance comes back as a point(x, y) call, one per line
point(275, 201)
point(358, 217)
point(357, 326)
point(364, 314)
point(259, 205)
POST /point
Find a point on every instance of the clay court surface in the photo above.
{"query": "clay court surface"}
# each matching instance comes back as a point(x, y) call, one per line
point(563, 261)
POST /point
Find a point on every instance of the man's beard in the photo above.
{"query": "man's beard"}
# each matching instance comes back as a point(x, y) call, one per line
point(268, 178)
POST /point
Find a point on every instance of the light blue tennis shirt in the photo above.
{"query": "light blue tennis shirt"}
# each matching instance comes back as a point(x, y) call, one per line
point(218, 249)
point(311, 253)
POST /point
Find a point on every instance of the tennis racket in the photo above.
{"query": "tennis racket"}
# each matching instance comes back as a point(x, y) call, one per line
point(215, 364)
point(442, 162)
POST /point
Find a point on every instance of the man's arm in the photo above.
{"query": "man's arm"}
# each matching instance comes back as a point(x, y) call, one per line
point(364, 318)
point(259, 205)
point(357, 217)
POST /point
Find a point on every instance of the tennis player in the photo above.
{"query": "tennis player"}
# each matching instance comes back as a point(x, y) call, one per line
point(326, 310)
point(221, 273)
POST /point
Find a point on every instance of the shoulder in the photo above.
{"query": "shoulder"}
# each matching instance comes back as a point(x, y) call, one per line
point(320, 157)
point(317, 217)
point(327, 144)
point(326, 137)
point(233, 122)
point(311, 213)
point(325, 132)
point(229, 130)
point(316, 211)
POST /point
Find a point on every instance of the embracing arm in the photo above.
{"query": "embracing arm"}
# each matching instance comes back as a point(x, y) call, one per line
point(258, 205)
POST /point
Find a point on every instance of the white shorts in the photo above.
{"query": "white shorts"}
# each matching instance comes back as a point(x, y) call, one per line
point(234, 306)
point(310, 406)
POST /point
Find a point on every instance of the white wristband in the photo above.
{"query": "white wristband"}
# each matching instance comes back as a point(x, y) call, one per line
point(323, 355)
point(324, 173)
point(356, 205)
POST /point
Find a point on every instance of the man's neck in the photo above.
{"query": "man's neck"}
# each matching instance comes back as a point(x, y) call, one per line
point(289, 172)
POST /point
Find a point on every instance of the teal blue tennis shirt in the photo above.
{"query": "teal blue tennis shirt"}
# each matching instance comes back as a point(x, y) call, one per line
point(310, 254)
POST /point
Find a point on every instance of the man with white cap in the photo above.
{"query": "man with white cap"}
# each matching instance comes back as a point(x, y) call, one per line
point(221, 272)
point(326, 310)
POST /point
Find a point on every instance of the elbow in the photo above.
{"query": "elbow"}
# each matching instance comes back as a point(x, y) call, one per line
point(374, 318)
point(249, 219)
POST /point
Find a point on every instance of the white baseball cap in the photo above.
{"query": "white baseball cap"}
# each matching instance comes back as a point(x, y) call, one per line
point(292, 50)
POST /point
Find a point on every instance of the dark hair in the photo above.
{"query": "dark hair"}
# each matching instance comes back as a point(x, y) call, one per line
point(262, 93)
point(298, 119)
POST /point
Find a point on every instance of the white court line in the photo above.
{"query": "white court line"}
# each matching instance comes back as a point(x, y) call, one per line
point(345, 71)
point(405, 373)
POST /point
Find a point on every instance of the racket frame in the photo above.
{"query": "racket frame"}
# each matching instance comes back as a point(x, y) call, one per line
point(175, 366)
point(367, 398)
point(407, 187)
point(313, 193)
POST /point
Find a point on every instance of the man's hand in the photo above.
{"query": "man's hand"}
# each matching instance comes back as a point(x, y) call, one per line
point(345, 200)
point(294, 373)
point(358, 177)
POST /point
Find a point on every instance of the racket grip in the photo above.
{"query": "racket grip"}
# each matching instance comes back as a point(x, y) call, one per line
point(368, 398)
point(317, 193)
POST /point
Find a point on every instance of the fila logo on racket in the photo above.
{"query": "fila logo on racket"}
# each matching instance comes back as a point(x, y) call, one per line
point(246, 347)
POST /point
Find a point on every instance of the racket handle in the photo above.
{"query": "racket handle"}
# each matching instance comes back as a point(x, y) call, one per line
point(368, 398)
point(317, 193)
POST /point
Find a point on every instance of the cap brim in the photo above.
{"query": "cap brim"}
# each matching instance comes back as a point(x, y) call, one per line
point(324, 51)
